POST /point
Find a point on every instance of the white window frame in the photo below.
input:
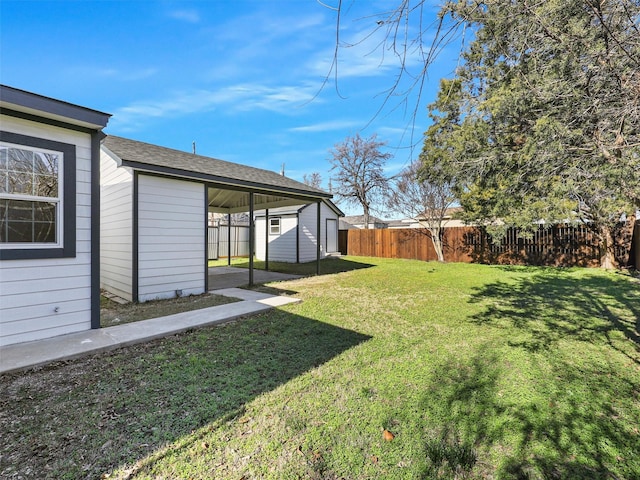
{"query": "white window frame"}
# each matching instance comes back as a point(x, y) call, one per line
point(274, 228)
point(57, 201)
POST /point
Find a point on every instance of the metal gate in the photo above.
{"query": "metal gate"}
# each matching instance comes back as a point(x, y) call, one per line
point(219, 241)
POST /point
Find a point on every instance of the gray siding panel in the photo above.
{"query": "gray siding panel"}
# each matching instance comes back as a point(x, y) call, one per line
point(171, 241)
point(116, 227)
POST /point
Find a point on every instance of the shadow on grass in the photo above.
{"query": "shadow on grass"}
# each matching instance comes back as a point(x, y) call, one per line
point(84, 418)
point(558, 435)
point(568, 407)
point(552, 305)
point(328, 266)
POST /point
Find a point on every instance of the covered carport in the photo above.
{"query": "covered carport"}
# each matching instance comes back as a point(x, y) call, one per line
point(222, 199)
point(154, 215)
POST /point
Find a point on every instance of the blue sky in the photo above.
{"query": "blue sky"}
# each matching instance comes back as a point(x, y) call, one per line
point(241, 78)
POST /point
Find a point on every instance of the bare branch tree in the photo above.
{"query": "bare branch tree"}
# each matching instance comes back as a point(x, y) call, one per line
point(409, 37)
point(423, 201)
point(313, 179)
point(359, 177)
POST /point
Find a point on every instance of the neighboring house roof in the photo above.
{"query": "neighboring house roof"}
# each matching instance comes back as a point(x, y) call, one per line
point(297, 208)
point(30, 104)
point(397, 224)
point(449, 213)
point(231, 180)
point(355, 220)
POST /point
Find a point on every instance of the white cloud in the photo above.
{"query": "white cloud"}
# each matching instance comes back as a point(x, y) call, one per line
point(370, 50)
point(112, 73)
point(241, 97)
point(271, 41)
point(190, 16)
point(328, 126)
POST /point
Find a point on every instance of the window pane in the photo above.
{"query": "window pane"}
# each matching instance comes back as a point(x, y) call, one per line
point(20, 232)
point(45, 163)
point(44, 232)
point(27, 222)
point(44, 212)
point(20, 160)
point(45, 186)
point(3, 158)
point(3, 181)
point(20, 182)
point(19, 210)
point(274, 226)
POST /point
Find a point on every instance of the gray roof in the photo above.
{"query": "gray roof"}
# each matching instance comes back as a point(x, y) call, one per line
point(32, 103)
point(229, 181)
point(293, 209)
point(145, 156)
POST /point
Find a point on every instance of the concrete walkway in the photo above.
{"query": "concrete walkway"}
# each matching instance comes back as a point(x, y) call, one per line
point(64, 347)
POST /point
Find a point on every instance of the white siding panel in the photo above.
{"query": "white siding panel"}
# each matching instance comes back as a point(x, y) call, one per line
point(259, 226)
point(308, 234)
point(39, 285)
point(156, 264)
point(282, 247)
point(44, 298)
point(171, 243)
point(30, 290)
point(37, 330)
point(49, 272)
point(150, 255)
point(116, 227)
point(13, 320)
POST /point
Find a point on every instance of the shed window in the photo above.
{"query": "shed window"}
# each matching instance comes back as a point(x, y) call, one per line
point(29, 195)
point(274, 226)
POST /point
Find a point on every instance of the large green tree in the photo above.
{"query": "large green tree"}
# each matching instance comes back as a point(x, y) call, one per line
point(542, 121)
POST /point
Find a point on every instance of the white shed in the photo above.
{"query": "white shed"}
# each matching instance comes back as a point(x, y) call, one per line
point(290, 234)
point(49, 217)
point(154, 214)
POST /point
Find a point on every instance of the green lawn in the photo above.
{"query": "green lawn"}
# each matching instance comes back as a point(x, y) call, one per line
point(478, 371)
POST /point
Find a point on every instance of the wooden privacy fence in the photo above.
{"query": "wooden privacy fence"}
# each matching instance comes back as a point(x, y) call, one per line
point(559, 245)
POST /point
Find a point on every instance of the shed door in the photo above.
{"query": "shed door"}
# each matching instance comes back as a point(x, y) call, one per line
point(332, 235)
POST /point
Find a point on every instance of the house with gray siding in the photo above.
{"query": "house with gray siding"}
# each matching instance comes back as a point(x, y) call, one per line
point(80, 211)
point(49, 216)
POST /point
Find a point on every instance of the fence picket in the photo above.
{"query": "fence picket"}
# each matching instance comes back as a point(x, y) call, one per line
point(557, 245)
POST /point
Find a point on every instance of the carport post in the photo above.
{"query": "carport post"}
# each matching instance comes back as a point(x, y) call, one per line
point(252, 239)
point(318, 240)
point(266, 242)
point(228, 239)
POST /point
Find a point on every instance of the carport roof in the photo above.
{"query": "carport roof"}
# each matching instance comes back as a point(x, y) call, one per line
point(232, 178)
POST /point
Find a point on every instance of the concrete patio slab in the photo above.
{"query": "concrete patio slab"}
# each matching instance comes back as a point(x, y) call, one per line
point(228, 277)
point(64, 347)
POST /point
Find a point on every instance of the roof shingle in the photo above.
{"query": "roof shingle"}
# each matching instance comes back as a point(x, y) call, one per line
point(145, 156)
